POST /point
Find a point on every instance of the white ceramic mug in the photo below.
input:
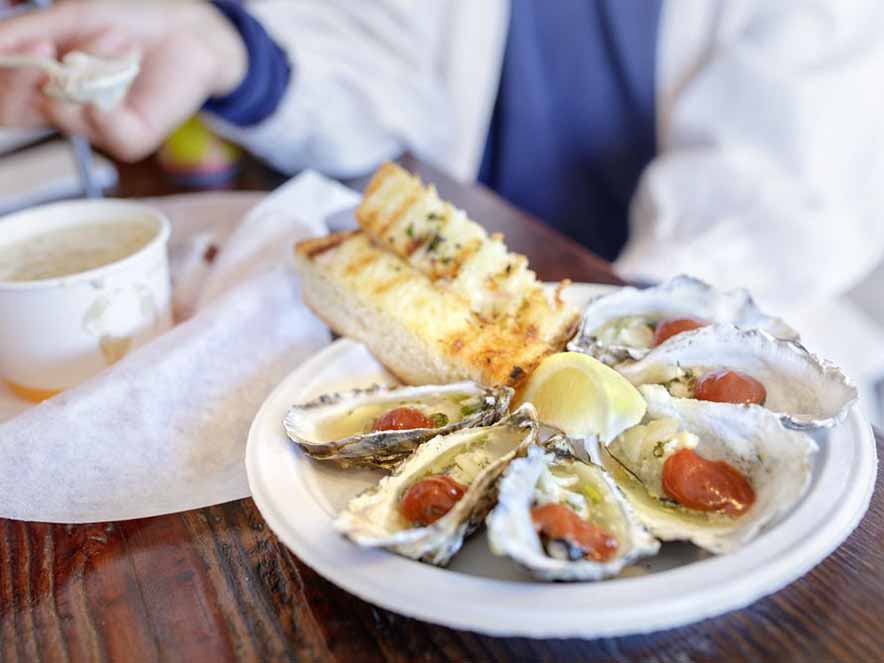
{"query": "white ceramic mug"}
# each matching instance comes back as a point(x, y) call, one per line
point(56, 332)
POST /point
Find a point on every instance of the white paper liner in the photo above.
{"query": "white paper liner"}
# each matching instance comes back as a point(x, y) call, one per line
point(164, 429)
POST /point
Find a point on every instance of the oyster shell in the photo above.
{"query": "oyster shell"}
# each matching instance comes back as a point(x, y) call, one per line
point(778, 462)
point(619, 326)
point(475, 457)
point(337, 427)
point(806, 391)
point(553, 474)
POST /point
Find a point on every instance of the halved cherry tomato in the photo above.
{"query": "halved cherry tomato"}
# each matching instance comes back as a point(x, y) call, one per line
point(724, 386)
point(429, 499)
point(671, 326)
point(557, 521)
point(402, 418)
point(706, 485)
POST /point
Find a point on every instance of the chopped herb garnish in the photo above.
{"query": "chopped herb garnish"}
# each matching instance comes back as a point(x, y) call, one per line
point(658, 450)
point(433, 216)
point(509, 268)
point(467, 410)
point(410, 230)
point(435, 242)
point(439, 419)
point(446, 260)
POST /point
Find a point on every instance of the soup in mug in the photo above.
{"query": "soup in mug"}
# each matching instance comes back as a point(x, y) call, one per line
point(71, 250)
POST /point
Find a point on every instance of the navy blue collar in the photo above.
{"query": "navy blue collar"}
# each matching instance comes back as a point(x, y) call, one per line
point(573, 125)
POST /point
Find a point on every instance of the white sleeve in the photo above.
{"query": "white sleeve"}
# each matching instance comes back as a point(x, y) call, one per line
point(771, 166)
point(365, 85)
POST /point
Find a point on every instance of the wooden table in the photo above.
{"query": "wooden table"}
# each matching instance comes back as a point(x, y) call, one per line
point(215, 584)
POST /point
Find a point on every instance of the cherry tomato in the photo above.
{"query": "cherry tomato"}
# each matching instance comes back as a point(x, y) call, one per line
point(672, 326)
point(402, 418)
point(429, 499)
point(706, 485)
point(557, 521)
point(724, 386)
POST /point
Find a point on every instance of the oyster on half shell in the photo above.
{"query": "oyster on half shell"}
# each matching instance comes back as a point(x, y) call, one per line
point(620, 325)
point(339, 427)
point(473, 457)
point(806, 391)
point(551, 474)
point(776, 461)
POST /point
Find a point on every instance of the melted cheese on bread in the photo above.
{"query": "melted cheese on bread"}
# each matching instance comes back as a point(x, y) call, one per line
point(440, 241)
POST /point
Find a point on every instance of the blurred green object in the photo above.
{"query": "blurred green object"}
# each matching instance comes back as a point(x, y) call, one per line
point(193, 155)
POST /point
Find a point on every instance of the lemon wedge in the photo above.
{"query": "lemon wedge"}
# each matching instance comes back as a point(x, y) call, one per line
point(583, 397)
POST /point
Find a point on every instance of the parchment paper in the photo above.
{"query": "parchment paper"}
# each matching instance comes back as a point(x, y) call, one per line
point(164, 429)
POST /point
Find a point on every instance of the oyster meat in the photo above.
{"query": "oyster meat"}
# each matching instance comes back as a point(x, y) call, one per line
point(342, 427)
point(621, 325)
point(458, 471)
point(775, 462)
point(565, 519)
point(806, 391)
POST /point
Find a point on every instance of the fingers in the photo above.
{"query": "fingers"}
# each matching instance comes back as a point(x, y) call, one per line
point(63, 24)
point(177, 74)
point(120, 132)
point(125, 133)
point(72, 118)
point(173, 84)
point(20, 102)
point(45, 33)
point(58, 24)
point(66, 117)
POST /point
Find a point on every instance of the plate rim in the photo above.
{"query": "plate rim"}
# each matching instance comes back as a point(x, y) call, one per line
point(715, 599)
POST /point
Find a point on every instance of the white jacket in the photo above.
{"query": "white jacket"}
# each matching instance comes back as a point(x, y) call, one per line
point(770, 166)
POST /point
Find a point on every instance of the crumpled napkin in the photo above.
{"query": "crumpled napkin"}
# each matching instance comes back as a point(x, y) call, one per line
point(164, 429)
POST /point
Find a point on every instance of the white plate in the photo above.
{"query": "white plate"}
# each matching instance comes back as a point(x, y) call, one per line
point(299, 497)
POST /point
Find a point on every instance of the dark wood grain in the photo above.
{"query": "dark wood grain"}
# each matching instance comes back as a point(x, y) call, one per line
point(216, 585)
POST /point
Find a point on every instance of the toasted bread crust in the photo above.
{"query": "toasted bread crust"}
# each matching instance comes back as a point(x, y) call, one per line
point(318, 245)
point(433, 296)
point(420, 330)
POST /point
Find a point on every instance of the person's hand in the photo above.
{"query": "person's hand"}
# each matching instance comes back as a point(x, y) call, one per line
point(189, 52)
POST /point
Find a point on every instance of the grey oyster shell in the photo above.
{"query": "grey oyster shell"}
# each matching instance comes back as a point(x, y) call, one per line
point(681, 296)
point(511, 531)
point(777, 461)
point(385, 449)
point(372, 518)
point(806, 391)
